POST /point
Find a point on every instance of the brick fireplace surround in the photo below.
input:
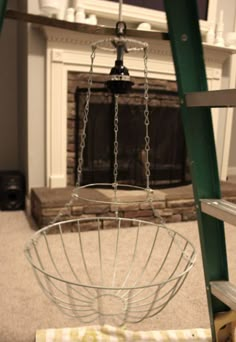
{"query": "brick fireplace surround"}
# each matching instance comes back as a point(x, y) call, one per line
point(173, 204)
point(167, 148)
point(70, 52)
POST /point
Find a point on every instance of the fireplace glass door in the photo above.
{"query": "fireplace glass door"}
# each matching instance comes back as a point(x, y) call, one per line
point(167, 154)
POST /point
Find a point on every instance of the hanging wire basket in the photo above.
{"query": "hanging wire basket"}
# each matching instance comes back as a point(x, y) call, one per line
point(113, 270)
point(113, 276)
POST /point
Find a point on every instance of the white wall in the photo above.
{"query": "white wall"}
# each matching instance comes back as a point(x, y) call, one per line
point(232, 155)
point(35, 103)
point(36, 109)
point(9, 94)
point(229, 8)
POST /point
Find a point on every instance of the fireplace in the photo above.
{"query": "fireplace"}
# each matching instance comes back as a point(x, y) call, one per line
point(68, 53)
point(167, 153)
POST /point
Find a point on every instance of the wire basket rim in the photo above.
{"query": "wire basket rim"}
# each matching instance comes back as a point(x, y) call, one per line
point(150, 193)
point(34, 239)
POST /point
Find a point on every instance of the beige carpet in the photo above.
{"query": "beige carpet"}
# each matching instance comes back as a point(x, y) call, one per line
point(24, 308)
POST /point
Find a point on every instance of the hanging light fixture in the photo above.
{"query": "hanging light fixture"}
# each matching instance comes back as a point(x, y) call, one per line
point(119, 82)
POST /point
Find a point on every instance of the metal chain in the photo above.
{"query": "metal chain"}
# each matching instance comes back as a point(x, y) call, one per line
point(146, 119)
point(85, 119)
point(147, 138)
point(66, 209)
point(116, 148)
point(116, 145)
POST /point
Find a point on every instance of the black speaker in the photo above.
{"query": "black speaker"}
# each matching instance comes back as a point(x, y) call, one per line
point(12, 190)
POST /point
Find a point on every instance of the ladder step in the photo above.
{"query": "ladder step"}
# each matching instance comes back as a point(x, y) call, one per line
point(225, 292)
point(220, 209)
point(214, 98)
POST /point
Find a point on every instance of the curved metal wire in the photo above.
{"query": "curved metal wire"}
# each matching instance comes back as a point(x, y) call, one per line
point(87, 291)
point(110, 44)
point(123, 282)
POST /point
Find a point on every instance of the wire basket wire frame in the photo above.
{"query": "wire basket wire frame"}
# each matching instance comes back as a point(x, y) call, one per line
point(110, 45)
point(136, 46)
point(118, 275)
point(134, 279)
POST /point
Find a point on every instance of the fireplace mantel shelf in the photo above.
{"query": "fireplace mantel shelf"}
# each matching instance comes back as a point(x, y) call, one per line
point(66, 41)
point(67, 31)
point(80, 28)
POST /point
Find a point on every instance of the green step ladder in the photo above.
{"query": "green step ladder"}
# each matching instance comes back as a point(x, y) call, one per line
point(212, 211)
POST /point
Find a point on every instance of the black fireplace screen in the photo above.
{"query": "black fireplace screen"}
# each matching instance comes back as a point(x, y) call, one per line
point(167, 154)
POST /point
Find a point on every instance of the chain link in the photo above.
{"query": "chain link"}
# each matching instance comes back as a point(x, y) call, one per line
point(116, 145)
point(147, 138)
point(85, 120)
point(116, 149)
point(146, 118)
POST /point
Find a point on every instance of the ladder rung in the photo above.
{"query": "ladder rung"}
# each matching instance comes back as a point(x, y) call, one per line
point(214, 98)
point(225, 292)
point(220, 209)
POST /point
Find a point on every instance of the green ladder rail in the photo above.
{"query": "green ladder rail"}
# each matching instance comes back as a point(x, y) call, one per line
point(195, 100)
point(3, 5)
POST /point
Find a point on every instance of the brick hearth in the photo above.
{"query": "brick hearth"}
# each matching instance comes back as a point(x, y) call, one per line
point(173, 204)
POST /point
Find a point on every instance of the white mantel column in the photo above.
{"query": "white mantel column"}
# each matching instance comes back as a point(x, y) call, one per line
point(56, 119)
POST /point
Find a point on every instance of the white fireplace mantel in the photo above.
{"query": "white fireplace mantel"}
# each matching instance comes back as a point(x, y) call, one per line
point(70, 51)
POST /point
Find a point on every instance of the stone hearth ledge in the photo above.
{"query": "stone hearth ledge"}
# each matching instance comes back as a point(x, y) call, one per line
point(173, 204)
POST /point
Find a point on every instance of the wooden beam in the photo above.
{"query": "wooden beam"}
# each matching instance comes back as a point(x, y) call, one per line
point(82, 28)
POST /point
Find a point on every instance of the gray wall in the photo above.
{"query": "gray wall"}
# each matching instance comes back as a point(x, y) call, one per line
point(9, 156)
point(22, 119)
point(22, 93)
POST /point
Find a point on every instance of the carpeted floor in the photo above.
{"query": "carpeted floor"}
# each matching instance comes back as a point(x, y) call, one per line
point(24, 308)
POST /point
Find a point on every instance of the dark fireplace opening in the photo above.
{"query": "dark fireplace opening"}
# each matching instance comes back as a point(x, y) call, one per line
point(167, 146)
